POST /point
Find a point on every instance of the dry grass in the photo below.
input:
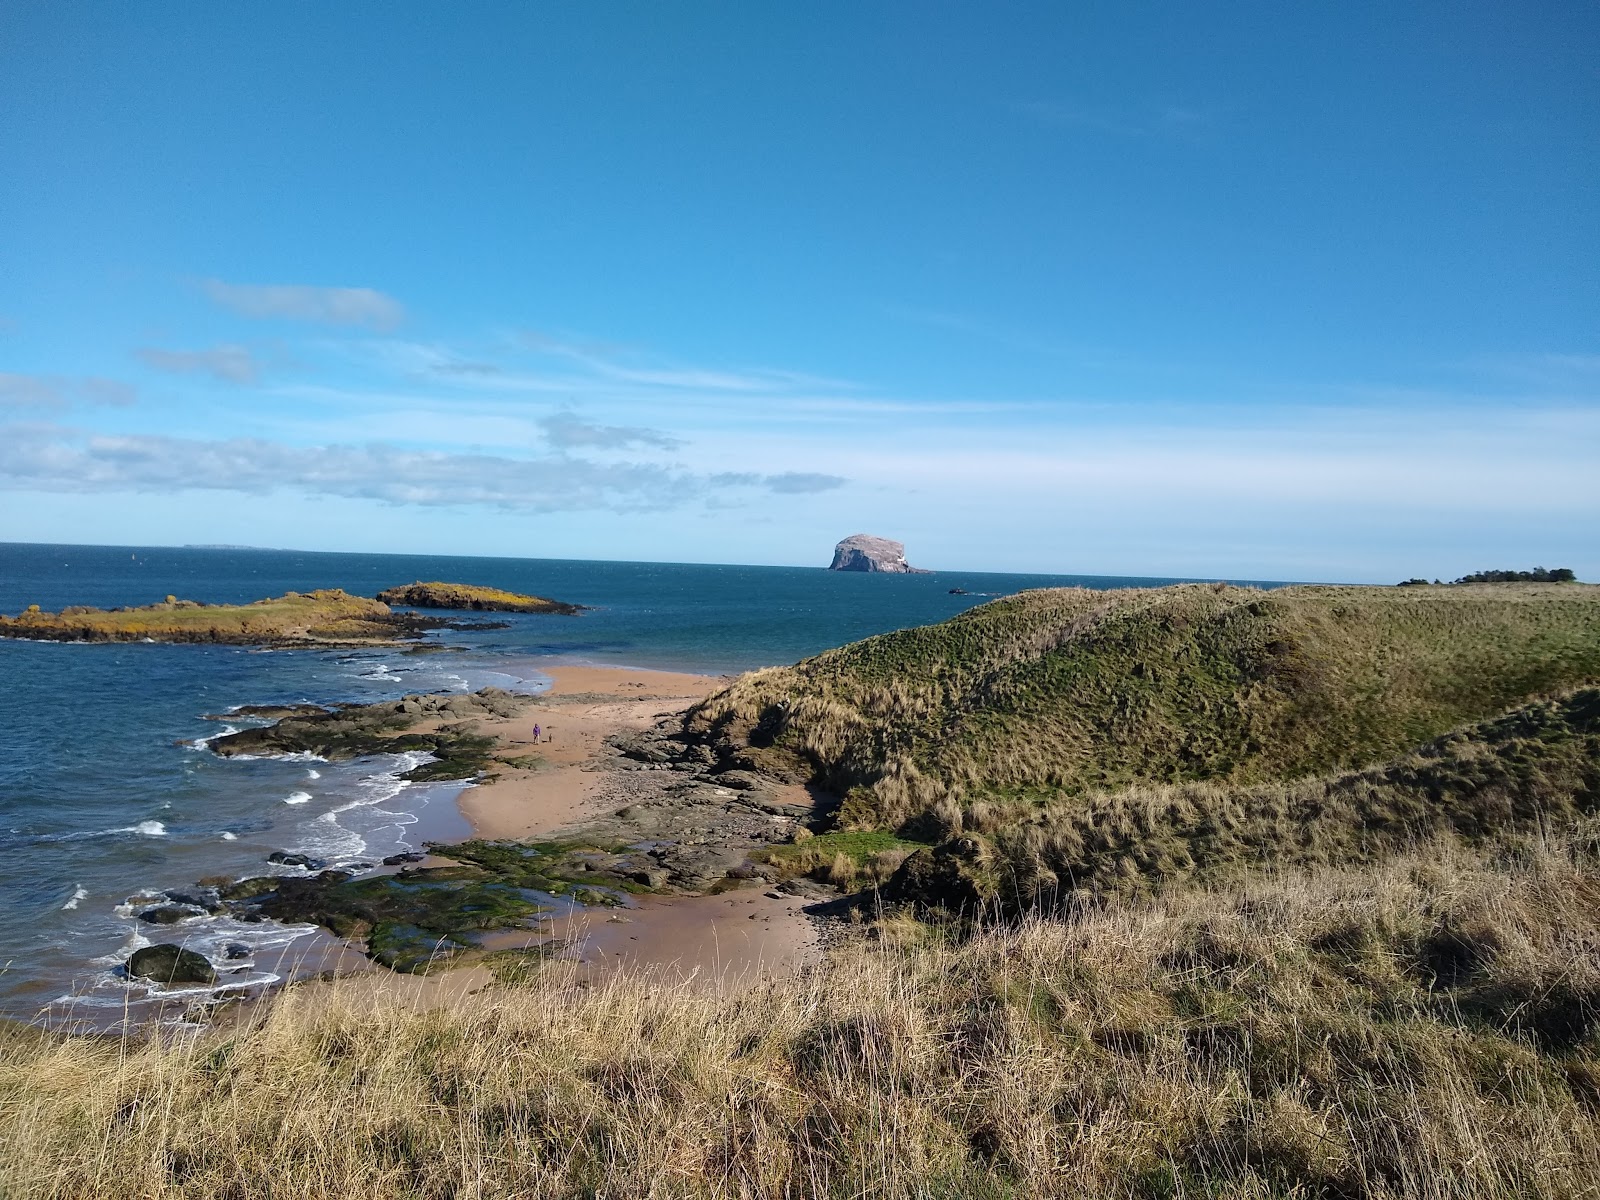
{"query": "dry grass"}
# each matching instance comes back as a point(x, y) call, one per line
point(326, 614)
point(1066, 692)
point(1423, 1029)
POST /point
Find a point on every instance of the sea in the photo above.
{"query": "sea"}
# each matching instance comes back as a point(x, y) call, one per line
point(108, 791)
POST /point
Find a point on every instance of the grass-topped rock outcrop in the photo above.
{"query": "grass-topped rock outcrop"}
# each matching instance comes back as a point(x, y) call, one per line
point(355, 730)
point(326, 616)
point(466, 597)
point(1061, 693)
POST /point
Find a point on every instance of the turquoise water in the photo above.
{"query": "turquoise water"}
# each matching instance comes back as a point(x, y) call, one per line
point(104, 791)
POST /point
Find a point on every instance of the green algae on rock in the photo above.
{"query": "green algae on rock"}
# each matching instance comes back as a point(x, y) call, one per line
point(472, 598)
point(357, 730)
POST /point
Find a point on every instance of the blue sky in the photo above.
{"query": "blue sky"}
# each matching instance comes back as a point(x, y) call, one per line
point(1257, 290)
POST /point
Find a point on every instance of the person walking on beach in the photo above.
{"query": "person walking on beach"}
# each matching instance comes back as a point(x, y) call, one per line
point(535, 735)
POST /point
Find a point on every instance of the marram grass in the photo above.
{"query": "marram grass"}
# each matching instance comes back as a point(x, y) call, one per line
point(1058, 693)
point(1426, 1028)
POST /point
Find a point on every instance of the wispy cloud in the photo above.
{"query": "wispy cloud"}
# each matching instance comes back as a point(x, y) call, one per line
point(566, 431)
point(612, 363)
point(299, 302)
point(59, 459)
point(62, 391)
point(230, 363)
point(787, 483)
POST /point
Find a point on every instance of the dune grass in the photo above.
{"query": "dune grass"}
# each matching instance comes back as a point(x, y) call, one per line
point(1421, 1029)
point(1067, 692)
point(1498, 782)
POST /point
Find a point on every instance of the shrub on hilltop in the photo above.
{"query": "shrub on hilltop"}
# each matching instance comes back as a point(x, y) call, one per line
point(1537, 575)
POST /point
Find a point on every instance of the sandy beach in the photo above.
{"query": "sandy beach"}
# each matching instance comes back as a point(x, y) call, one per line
point(583, 707)
point(727, 940)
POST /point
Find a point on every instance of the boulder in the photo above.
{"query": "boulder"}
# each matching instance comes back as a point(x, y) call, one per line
point(170, 914)
point(249, 889)
point(208, 898)
point(166, 963)
point(958, 875)
point(283, 858)
point(863, 552)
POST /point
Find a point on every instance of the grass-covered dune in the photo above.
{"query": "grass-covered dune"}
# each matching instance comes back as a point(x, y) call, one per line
point(326, 615)
point(1063, 693)
point(1504, 783)
point(1426, 1028)
point(472, 598)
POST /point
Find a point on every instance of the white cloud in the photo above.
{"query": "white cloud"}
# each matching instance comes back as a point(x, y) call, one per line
point(54, 458)
point(231, 364)
point(298, 302)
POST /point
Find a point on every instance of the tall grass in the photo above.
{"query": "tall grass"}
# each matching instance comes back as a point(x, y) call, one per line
point(1065, 692)
point(1421, 1029)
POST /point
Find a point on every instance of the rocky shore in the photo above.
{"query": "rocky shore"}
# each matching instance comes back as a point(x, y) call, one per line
point(666, 815)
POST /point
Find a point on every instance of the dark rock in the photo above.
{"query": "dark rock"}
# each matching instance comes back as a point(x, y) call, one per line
point(248, 889)
point(268, 712)
point(208, 898)
point(697, 867)
point(653, 879)
point(740, 781)
point(409, 856)
point(236, 950)
point(286, 859)
point(166, 963)
point(958, 875)
point(170, 914)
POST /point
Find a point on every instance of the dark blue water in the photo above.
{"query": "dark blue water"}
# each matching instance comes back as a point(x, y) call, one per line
point(103, 791)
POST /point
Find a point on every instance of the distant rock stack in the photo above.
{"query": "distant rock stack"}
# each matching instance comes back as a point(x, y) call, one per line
point(863, 552)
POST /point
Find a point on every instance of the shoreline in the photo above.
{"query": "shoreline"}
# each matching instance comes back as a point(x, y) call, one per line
point(731, 939)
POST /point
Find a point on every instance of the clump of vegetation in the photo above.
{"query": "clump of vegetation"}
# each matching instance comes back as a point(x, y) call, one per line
point(295, 618)
point(844, 860)
point(1062, 693)
point(1427, 1028)
point(1506, 782)
point(471, 598)
point(1537, 575)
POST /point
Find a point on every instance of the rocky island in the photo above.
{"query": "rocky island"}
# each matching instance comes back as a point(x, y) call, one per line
point(471, 598)
point(323, 617)
point(863, 552)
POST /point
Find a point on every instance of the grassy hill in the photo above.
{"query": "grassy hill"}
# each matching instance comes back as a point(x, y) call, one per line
point(1061, 693)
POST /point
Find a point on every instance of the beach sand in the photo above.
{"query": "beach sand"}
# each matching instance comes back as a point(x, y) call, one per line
point(532, 803)
point(727, 940)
